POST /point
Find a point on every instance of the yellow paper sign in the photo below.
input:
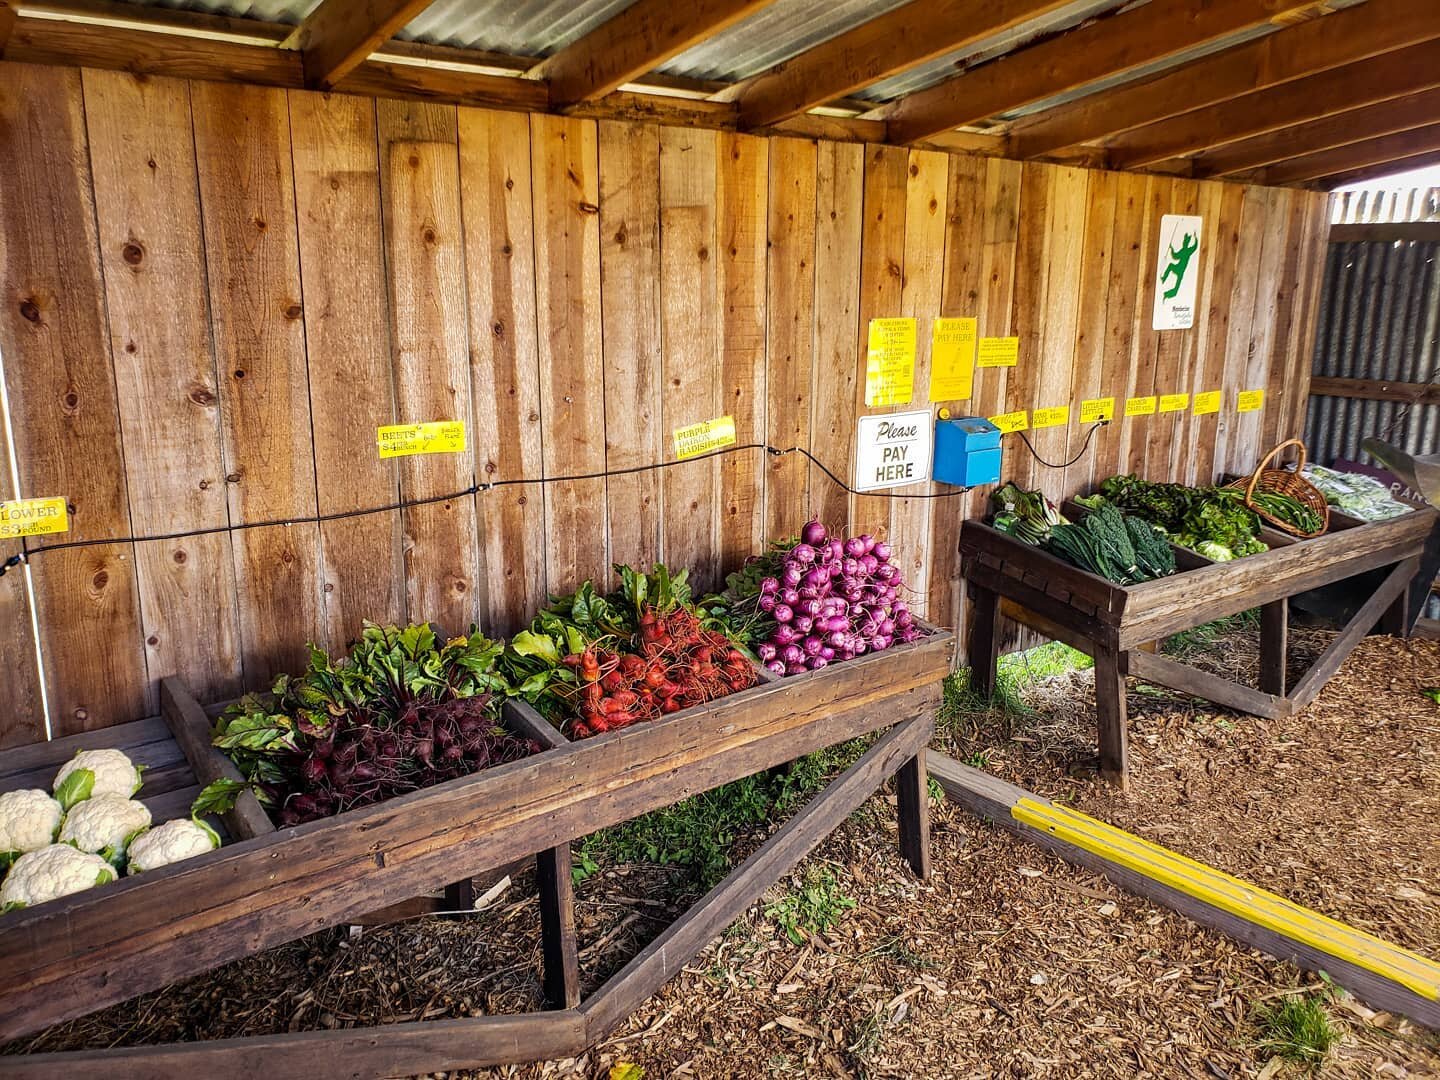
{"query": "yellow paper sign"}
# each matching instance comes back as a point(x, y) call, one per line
point(1207, 401)
point(434, 437)
point(890, 362)
point(703, 437)
point(1250, 401)
point(33, 517)
point(1093, 410)
point(952, 359)
point(998, 352)
point(1011, 421)
point(1140, 406)
point(1051, 417)
point(1174, 402)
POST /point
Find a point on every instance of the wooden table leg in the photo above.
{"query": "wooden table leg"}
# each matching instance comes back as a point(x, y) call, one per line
point(1110, 715)
point(1397, 621)
point(912, 805)
point(460, 895)
point(557, 927)
point(984, 650)
point(1274, 645)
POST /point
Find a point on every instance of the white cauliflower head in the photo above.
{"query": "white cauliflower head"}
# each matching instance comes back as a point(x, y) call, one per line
point(29, 820)
point(105, 825)
point(96, 772)
point(50, 873)
point(180, 839)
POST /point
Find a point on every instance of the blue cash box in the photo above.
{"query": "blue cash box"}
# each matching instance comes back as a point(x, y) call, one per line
point(967, 451)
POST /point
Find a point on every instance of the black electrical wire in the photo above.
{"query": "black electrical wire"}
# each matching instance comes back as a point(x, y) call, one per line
point(26, 552)
point(1078, 455)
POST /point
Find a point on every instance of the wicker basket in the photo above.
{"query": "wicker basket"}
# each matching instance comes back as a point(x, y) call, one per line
point(1284, 482)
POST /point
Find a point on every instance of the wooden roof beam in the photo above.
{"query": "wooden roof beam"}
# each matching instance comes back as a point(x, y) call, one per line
point(1371, 172)
point(1358, 33)
point(875, 50)
point(1070, 60)
point(7, 24)
point(1342, 129)
point(639, 39)
point(1360, 155)
point(1367, 82)
point(339, 35)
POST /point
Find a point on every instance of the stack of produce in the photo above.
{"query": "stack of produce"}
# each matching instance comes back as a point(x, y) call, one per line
point(818, 600)
point(1211, 521)
point(1025, 515)
point(593, 663)
point(403, 711)
point(86, 831)
point(1122, 549)
point(1355, 494)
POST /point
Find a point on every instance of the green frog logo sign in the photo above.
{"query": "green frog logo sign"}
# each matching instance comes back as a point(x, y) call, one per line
point(1177, 272)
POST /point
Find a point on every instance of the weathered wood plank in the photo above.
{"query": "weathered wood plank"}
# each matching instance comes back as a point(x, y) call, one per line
point(347, 346)
point(791, 341)
point(567, 301)
point(689, 321)
point(630, 297)
point(191, 728)
point(496, 204)
point(1169, 673)
point(425, 269)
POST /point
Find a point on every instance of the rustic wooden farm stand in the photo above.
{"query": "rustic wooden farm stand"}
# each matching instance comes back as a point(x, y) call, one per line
point(1113, 623)
point(71, 956)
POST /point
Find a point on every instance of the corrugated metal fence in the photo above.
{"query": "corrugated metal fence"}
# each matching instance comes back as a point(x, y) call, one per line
point(1379, 321)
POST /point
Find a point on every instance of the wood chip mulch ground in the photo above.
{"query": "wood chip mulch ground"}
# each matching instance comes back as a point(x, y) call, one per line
point(1008, 963)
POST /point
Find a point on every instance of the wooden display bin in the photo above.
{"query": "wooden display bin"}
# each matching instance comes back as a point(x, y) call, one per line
point(72, 956)
point(1115, 623)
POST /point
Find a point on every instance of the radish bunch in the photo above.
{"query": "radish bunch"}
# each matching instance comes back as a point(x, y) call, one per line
point(832, 600)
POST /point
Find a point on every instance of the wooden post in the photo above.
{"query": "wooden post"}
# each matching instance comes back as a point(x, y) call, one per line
point(984, 651)
point(1397, 621)
point(1110, 714)
point(557, 927)
point(912, 806)
point(1274, 645)
point(460, 895)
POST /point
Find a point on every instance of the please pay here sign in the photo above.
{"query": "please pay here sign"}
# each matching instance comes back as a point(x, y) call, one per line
point(893, 450)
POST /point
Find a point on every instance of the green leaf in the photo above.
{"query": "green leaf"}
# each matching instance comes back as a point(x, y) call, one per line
point(214, 836)
point(16, 905)
point(1433, 693)
point(75, 788)
point(217, 797)
point(6, 858)
point(526, 643)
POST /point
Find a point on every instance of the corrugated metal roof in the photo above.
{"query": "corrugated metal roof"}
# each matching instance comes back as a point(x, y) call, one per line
point(772, 35)
point(525, 28)
point(942, 67)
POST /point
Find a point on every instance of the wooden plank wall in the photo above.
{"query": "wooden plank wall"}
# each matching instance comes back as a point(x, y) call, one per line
point(211, 296)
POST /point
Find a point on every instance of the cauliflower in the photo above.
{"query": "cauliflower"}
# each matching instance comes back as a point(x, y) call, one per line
point(96, 772)
point(50, 873)
point(180, 839)
point(28, 821)
point(105, 825)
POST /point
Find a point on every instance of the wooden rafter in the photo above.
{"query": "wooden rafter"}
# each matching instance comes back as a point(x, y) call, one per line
point(875, 50)
point(640, 38)
point(1372, 28)
point(7, 24)
point(1300, 101)
point(1342, 129)
point(339, 35)
point(1071, 60)
point(1360, 155)
point(1370, 172)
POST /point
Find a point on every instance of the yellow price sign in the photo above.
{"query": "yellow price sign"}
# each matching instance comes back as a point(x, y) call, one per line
point(952, 359)
point(998, 352)
point(1174, 402)
point(1207, 401)
point(703, 437)
point(890, 362)
point(1250, 401)
point(1011, 421)
point(1140, 406)
point(33, 517)
point(1093, 410)
point(1051, 417)
point(432, 437)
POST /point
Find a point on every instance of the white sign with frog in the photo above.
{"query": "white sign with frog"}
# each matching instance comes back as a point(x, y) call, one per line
point(893, 449)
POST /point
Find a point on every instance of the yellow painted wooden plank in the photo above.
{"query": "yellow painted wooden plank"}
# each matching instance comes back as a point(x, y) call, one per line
point(1231, 894)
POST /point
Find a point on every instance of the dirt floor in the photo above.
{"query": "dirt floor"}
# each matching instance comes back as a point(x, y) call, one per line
point(1008, 963)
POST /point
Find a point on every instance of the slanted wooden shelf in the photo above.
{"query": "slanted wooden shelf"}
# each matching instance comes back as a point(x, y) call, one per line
point(72, 956)
point(1113, 623)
